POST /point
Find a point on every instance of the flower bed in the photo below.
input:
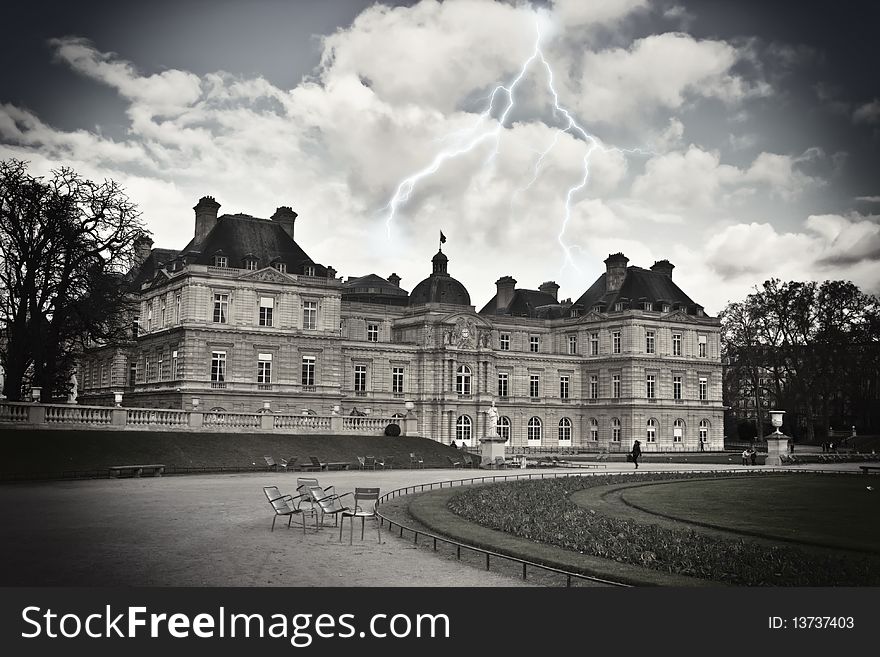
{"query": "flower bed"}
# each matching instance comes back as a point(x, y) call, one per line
point(540, 510)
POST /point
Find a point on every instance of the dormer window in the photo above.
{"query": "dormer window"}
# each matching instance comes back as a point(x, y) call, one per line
point(575, 312)
point(618, 306)
point(647, 305)
point(251, 264)
point(220, 261)
point(309, 270)
point(280, 266)
point(666, 307)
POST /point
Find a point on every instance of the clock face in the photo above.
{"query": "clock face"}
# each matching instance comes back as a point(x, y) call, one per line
point(465, 333)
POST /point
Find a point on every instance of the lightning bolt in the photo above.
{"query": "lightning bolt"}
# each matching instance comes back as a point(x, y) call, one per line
point(465, 141)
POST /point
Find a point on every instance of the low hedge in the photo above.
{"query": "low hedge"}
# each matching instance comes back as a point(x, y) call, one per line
point(540, 510)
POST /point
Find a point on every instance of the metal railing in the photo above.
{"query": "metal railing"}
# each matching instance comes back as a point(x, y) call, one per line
point(489, 554)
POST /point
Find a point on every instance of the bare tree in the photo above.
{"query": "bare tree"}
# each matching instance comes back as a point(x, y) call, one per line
point(66, 246)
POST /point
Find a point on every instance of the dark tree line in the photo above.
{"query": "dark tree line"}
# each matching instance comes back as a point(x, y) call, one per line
point(815, 347)
point(66, 246)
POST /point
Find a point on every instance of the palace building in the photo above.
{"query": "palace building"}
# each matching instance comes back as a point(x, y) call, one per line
point(242, 315)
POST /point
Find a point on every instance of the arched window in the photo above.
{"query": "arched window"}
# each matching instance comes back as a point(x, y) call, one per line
point(678, 431)
point(704, 431)
point(565, 430)
point(615, 430)
point(463, 380)
point(504, 427)
point(534, 431)
point(463, 430)
point(594, 429)
point(651, 432)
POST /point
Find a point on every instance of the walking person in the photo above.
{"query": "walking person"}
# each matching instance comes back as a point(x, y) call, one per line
point(636, 453)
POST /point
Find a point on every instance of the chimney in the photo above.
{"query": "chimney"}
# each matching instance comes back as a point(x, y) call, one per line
point(504, 296)
point(143, 246)
point(615, 271)
point(286, 217)
point(394, 279)
point(549, 287)
point(663, 267)
point(206, 217)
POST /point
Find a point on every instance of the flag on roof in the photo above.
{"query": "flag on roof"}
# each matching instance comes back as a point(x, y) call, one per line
point(442, 238)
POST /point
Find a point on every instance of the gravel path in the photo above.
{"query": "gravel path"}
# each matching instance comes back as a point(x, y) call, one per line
point(211, 530)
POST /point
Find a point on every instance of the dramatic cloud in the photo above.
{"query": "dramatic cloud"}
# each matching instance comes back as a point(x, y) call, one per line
point(396, 86)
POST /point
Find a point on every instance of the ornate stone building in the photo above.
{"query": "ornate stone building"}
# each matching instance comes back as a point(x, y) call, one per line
point(242, 315)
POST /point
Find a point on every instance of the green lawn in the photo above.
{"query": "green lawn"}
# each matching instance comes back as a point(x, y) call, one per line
point(836, 511)
point(38, 454)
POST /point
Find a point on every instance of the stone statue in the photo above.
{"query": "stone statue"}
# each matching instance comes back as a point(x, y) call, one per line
point(492, 412)
point(71, 396)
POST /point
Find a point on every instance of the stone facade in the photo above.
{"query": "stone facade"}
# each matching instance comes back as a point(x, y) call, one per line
point(328, 345)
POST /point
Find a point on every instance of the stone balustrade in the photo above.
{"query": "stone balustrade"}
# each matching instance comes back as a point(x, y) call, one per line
point(22, 415)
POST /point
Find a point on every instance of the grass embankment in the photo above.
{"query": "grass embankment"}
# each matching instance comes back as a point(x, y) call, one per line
point(542, 511)
point(38, 454)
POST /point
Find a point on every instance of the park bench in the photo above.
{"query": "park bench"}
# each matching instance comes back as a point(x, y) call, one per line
point(136, 470)
point(866, 468)
point(339, 465)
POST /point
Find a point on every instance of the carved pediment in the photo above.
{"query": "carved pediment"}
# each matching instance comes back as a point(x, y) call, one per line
point(267, 275)
point(680, 316)
point(591, 316)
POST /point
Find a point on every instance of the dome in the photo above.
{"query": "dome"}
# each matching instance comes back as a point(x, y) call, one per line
point(440, 287)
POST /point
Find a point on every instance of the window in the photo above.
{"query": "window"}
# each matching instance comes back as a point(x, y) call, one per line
point(221, 308)
point(160, 366)
point(504, 427)
point(132, 375)
point(177, 308)
point(702, 346)
point(463, 380)
point(618, 306)
point(704, 388)
point(533, 343)
point(676, 344)
point(463, 429)
point(162, 315)
point(250, 264)
point(572, 344)
point(615, 342)
point(676, 387)
point(280, 266)
point(534, 431)
point(534, 381)
point(649, 386)
point(218, 366)
point(666, 307)
point(502, 384)
point(615, 385)
point(373, 332)
point(310, 315)
point(678, 430)
point(651, 433)
point(175, 365)
point(360, 378)
point(267, 310)
point(594, 429)
point(565, 430)
point(649, 342)
point(150, 318)
point(397, 380)
point(594, 344)
point(220, 261)
point(308, 371)
point(264, 368)
point(594, 386)
point(704, 431)
point(615, 430)
point(309, 270)
point(504, 342)
point(647, 305)
point(563, 387)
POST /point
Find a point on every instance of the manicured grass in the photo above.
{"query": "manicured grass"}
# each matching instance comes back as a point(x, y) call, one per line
point(835, 511)
point(31, 454)
point(541, 510)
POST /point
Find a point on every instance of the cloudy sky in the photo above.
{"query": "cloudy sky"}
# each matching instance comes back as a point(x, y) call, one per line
point(738, 140)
